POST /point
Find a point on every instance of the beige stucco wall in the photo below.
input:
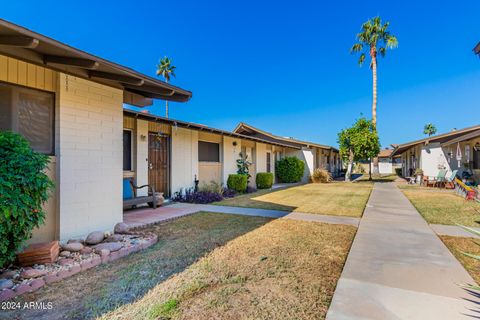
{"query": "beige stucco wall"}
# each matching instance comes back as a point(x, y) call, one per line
point(89, 156)
point(140, 138)
point(184, 158)
point(230, 156)
point(261, 157)
point(210, 171)
point(49, 230)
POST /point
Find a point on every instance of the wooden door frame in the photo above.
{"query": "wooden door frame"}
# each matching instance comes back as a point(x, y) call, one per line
point(168, 137)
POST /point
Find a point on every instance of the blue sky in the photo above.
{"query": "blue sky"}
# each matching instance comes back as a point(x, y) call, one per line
point(285, 66)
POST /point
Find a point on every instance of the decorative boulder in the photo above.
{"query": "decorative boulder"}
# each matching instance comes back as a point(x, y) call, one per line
point(75, 241)
point(86, 250)
point(6, 284)
point(65, 262)
point(114, 238)
point(32, 273)
point(104, 252)
point(65, 254)
point(111, 246)
point(95, 237)
point(121, 228)
point(73, 246)
point(8, 274)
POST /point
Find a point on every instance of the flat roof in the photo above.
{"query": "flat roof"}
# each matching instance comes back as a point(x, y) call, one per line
point(244, 127)
point(198, 127)
point(442, 138)
point(139, 89)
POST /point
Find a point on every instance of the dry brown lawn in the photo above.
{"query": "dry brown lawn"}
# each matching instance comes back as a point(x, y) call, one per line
point(336, 198)
point(457, 245)
point(442, 206)
point(285, 269)
point(98, 290)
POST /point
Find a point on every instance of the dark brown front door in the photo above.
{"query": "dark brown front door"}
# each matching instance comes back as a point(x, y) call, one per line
point(159, 162)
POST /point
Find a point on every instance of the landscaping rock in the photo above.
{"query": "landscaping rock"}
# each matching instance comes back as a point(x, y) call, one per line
point(121, 228)
point(104, 252)
point(75, 241)
point(64, 262)
point(65, 254)
point(86, 250)
point(111, 246)
point(6, 284)
point(73, 246)
point(95, 237)
point(32, 273)
point(8, 274)
point(114, 238)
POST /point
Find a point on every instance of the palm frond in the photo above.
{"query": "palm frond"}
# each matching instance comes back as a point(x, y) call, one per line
point(361, 60)
point(357, 47)
point(471, 230)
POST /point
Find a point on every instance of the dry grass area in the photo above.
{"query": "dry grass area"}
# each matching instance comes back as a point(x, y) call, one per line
point(442, 206)
point(336, 198)
point(286, 269)
point(181, 242)
point(457, 245)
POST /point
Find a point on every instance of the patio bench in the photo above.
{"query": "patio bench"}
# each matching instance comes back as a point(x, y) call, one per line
point(130, 198)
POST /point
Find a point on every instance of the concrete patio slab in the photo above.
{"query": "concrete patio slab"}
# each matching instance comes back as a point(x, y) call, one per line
point(398, 268)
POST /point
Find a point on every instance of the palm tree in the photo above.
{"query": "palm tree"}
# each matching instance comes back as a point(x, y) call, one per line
point(429, 129)
point(165, 68)
point(374, 38)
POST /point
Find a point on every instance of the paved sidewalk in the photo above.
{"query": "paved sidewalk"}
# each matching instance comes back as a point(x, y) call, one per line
point(398, 268)
point(146, 216)
point(454, 231)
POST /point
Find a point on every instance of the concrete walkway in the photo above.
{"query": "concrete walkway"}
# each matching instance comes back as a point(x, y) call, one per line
point(454, 231)
point(146, 216)
point(398, 268)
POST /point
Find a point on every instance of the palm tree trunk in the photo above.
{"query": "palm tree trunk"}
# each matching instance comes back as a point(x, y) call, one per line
point(373, 54)
point(166, 109)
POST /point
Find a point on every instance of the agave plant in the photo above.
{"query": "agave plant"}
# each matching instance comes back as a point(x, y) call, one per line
point(474, 256)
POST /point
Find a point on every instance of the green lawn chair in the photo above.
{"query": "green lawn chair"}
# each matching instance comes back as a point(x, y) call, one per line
point(450, 181)
point(438, 180)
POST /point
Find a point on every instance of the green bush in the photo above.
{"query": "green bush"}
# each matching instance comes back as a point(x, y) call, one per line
point(398, 171)
point(289, 169)
point(24, 187)
point(237, 182)
point(264, 180)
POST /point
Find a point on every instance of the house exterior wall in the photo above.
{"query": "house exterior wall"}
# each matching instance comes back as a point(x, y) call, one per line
point(140, 154)
point(184, 158)
point(25, 74)
point(210, 171)
point(230, 156)
point(89, 161)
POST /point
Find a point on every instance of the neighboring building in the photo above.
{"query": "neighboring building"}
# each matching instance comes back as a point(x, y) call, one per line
point(313, 154)
point(456, 150)
point(387, 163)
point(171, 154)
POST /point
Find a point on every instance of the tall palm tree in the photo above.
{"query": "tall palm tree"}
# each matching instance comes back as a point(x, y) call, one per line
point(429, 129)
point(374, 38)
point(165, 68)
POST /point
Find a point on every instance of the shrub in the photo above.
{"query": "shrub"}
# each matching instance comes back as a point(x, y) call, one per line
point(212, 186)
point(229, 193)
point(237, 182)
point(321, 175)
point(290, 169)
point(24, 187)
point(398, 171)
point(201, 197)
point(264, 180)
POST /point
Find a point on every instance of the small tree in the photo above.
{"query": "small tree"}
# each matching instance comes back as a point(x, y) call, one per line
point(359, 142)
point(243, 165)
point(429, 129)
point(24, 188)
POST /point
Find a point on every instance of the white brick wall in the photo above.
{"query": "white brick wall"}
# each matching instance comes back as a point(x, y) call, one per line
point(89, 156)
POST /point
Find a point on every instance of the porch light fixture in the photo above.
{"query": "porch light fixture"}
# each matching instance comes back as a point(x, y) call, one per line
point(143, 137)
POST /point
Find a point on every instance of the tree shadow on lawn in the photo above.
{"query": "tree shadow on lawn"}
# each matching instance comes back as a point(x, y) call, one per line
point(249, 200)
point(98, 290)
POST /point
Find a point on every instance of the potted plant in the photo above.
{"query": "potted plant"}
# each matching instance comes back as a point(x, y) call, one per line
point(419, 174)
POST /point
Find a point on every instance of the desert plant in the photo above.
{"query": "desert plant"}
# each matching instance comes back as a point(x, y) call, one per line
point(429, 129)
point(321, 175)
point(264, 180)
point(201, 197)
point(24, 188)
point(237, 182)
point(289, 169)
point(212, 186)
